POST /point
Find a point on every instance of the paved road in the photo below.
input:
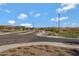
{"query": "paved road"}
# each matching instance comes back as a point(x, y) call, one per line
point(32, 37)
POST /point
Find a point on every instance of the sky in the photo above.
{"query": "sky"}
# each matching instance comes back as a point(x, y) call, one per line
point(39, 14)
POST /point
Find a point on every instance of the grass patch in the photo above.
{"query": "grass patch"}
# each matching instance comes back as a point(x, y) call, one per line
point(69, 34)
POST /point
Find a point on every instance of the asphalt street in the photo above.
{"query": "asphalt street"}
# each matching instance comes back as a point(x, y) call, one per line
point(32, 37)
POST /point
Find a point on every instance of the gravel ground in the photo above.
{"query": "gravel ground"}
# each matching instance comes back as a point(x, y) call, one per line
point(40, 50)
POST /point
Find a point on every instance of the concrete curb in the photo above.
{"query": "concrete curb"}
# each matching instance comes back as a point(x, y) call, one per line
point(5, 47)
point(40, 34)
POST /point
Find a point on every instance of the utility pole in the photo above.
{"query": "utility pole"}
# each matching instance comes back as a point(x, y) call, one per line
point(58, 22)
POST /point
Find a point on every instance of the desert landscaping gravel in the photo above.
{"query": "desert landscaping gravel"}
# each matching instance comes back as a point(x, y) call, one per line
point(40, 50)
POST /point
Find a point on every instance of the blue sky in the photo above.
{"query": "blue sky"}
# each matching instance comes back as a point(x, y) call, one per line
point(39, 15)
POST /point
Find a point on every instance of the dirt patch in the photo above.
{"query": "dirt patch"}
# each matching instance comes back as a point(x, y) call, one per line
point(40, 50)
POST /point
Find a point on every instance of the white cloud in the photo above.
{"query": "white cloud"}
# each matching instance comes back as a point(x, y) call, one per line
point(22, 16)
point(73, 25)
point(67, 6)
point(63, 4)
point(4, 10)
point(2, 4)
point(26, 24)
point(56, 19)
point(69, 24)
point(37, 15)
point(31, 12)
point(11, 22)
point(7, 11)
